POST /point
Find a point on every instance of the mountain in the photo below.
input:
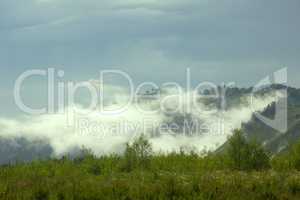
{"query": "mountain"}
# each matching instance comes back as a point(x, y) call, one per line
point(21, 149)
point(273, 140)
point(24, 149)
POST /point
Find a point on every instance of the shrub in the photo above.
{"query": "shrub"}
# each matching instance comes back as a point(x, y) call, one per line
point(295, 156)
point(41, 194)
point(288, 160)
point(138, 154)
point(244, 155)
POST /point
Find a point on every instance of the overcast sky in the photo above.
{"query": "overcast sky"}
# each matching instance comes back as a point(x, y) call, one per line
point(153, 40)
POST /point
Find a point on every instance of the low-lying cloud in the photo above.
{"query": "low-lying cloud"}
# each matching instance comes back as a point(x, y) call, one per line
point(106, 134)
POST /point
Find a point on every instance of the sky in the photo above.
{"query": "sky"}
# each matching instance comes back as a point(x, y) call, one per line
point(219, 40)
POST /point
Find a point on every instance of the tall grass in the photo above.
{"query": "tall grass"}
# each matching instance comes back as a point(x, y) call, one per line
point(139, 174)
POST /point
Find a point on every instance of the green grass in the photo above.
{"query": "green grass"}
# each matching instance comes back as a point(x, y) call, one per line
point(174, 176)
point(139, 174)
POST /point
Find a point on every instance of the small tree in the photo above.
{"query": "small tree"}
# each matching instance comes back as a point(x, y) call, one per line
point(258, 157)
point(295, 156)
point(289, 159)
point(138, 154)
point(244, 155)
point(237, 150)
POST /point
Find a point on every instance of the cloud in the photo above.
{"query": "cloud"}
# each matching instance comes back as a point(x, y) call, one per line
point(220, 41)
point(105, 134)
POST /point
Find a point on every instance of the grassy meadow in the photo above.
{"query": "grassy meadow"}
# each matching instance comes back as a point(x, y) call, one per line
point(243, 171)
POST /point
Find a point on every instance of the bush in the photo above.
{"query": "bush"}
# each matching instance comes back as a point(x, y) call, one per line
point(295, 156)
point(289, 160)
point(41, 194)
point(244, 155)
point(138, 154)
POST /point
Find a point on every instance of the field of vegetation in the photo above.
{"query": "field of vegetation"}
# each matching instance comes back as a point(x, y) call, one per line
point(243, 171)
